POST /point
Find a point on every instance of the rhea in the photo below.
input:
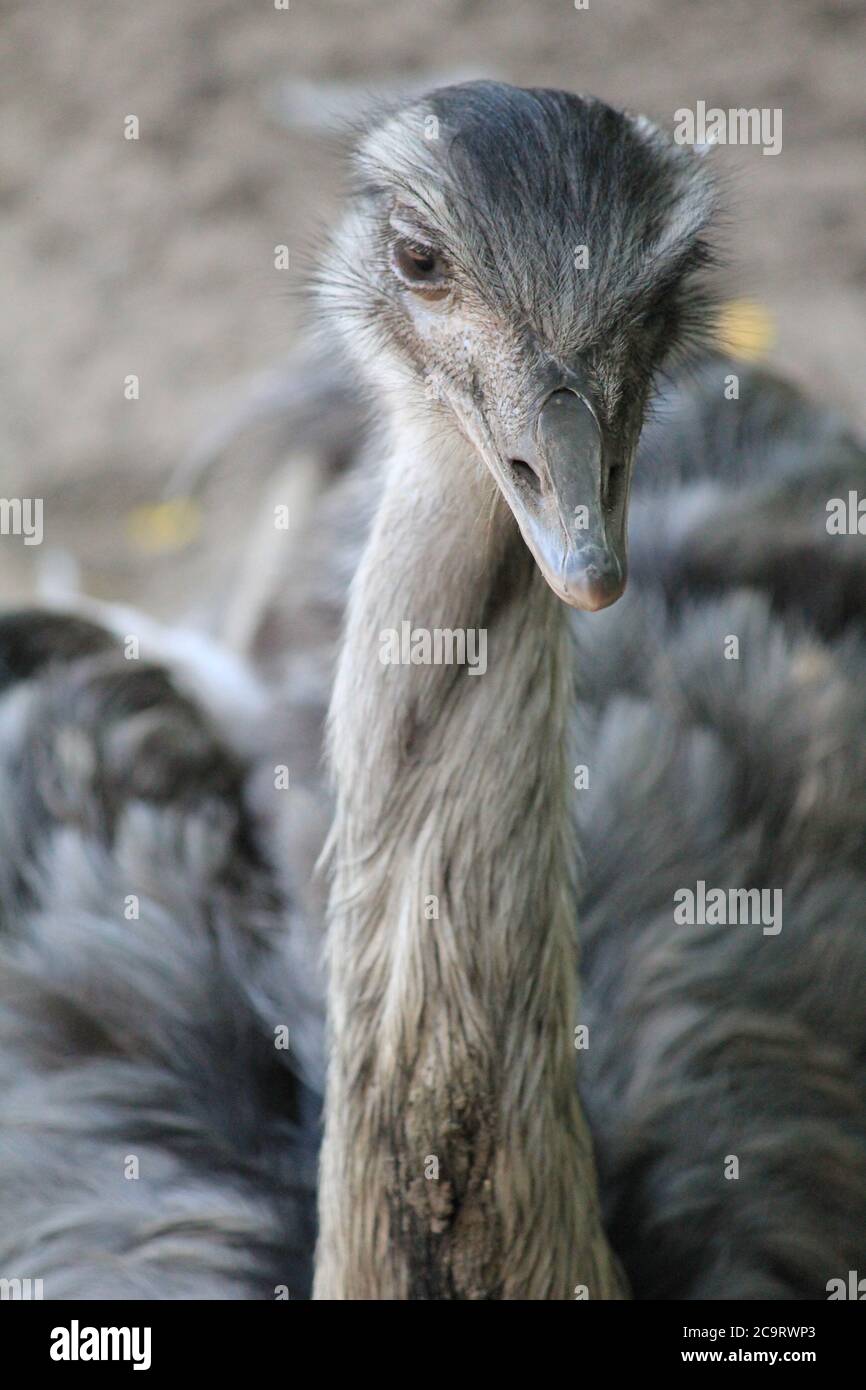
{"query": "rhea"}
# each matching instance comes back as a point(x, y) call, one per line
point(513, 386)
point(509, 291)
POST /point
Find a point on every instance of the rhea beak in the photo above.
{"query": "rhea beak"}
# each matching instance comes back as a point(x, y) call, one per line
point(570, 502)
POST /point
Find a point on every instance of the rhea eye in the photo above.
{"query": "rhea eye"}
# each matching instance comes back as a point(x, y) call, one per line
point(419, 267)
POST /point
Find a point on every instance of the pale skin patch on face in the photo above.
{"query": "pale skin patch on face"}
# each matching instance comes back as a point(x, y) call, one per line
point(475, 363)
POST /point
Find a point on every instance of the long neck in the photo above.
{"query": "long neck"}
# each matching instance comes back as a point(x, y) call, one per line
point(456, 1162)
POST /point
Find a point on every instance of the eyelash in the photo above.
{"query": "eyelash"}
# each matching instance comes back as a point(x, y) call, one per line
point(425, 253)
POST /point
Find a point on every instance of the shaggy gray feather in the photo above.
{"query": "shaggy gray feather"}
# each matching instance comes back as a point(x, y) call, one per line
point(150, 1038)
point(710, 1041)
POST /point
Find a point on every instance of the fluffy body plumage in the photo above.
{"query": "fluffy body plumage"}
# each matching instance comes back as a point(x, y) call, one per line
point(717, 1041)
point(143, 971)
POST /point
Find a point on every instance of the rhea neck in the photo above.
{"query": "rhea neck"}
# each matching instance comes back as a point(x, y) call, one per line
point(456, 1163)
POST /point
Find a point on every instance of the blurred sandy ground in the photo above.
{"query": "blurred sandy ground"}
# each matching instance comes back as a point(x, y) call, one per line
point(155, 257)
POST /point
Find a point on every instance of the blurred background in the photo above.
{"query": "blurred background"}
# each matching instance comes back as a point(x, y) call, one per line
point(155, 257)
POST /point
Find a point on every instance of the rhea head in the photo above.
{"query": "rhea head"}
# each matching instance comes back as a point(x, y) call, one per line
point(524, 262)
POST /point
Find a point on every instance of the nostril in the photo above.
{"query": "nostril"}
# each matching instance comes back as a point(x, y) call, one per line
point(613, 483)
point(525, 473)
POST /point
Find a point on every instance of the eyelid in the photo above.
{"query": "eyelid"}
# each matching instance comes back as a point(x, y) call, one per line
point(413, 233)
point(421, 247)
